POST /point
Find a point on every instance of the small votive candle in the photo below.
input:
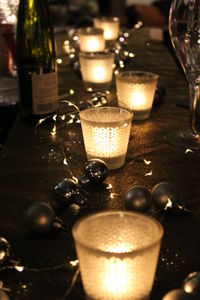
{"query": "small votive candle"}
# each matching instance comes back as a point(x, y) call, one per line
point(136, 90)
point(110, 27)
point(106, 132)
point(97, 70)
point(91, 39)
point(118, 253)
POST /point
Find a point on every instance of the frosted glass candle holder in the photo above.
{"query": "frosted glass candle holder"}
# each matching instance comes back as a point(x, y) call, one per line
point(110, 27)
point(91, 40)
point(136, 90)
point(97, 70)
point(118, 253)
point(106, 132)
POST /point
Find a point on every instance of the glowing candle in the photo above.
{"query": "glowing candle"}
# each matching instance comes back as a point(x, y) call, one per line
point(118, 253)
point(110, 27)
point(91, 40)
point(136, 90)
point(106, 132)
point(97, 70)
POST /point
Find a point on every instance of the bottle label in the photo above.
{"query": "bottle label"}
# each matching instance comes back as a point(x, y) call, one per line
point(44, 93)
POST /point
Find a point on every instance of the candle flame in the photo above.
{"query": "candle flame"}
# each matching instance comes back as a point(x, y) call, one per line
point(99, 74)
point(138, 99)
point(92, 44)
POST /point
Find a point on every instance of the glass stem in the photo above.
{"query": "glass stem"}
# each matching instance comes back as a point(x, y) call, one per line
point(194, 103)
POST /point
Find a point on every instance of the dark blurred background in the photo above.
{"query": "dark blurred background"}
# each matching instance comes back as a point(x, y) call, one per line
point(151, 13)
point(80, 13)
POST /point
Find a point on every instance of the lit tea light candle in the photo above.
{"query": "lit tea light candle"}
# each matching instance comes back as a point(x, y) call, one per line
point(106, 132)
point(118, 253)
point(110, 27)
point(91, 40)
point(97, 70)
point(136, 90)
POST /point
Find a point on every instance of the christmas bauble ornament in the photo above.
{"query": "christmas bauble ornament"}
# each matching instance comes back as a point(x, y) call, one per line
point(178, 295)
point(40, 217)
point(4, 250)
point(67, 192)
point(192, 283)
point(164, 195)
point(3, 296)
point(96, 171)
point(138, 198)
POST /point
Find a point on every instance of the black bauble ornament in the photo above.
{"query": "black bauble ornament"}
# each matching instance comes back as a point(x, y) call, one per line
point(138, 198)
point(192, 283)
point(3, 296)
point(40, 217)
point(4, 250)
point(178, 294)
point(95, 171)
point(164, 194)
point(67, 192)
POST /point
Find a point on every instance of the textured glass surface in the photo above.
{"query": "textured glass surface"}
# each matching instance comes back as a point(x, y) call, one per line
point(118, 253)
point(106, 134)
point(96, 69)
point(110, 27)
point(91, 40)
point(135, 90)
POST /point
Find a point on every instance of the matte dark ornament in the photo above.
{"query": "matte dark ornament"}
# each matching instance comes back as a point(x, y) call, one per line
point(40, 217)
point(3, 296)
point(67, 192)
point(138, 198)
point(4, 250)
point(95, 171)
point(84, 105)
point(164, 195)
point(178, 294)
point(192, 283)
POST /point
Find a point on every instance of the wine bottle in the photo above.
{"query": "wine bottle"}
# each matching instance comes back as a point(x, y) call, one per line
point(36, 60)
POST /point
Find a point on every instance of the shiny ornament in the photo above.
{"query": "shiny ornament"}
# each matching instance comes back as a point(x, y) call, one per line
point(3, 296)
point(164, 195)
point(40, 217)
point(95, 172)
point(178, 295)
point(4, 250)
point(67, 192)
point(192, 283)
point(138, 198)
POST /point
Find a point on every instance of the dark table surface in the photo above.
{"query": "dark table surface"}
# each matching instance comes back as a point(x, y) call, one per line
point(34, 164)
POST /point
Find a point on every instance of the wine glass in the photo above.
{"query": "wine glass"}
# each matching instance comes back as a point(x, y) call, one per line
point(184, 28)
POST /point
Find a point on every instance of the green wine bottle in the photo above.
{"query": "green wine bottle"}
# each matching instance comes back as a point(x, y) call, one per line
point(36, 60)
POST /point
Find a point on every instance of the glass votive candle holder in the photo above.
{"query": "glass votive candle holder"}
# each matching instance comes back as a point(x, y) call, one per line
point(110, 27)
point(118, 253)
point(97, 70)
point(91, 39)
point(136, 90)
point(106, 132)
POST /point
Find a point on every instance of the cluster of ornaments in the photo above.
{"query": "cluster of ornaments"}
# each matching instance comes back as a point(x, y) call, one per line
point(189, 291)
point(163, 196)
point(40, 217)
